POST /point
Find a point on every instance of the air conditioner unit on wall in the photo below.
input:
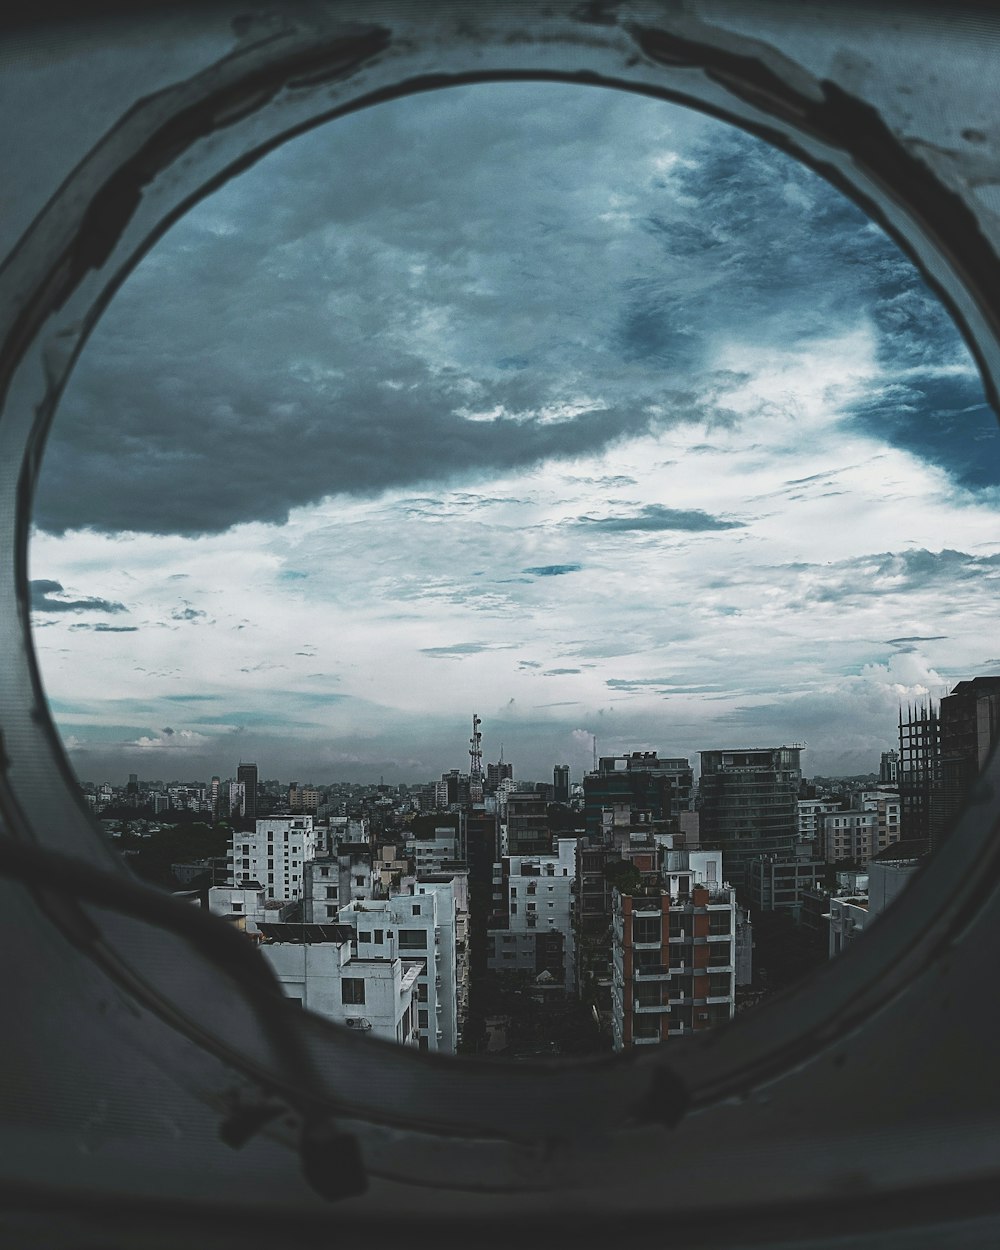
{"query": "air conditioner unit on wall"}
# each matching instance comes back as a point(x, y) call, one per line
point(358, 1022)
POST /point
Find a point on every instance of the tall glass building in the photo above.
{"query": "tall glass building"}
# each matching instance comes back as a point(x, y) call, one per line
point(748, 804)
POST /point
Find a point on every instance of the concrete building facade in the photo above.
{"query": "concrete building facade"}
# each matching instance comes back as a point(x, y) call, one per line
point(274, 854)
point(673, 953)
point(317, 967)
point(418, 928)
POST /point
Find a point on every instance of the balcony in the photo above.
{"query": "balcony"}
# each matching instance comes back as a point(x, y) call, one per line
point(648, 1009)
point(652, 972)
point(639, 1040)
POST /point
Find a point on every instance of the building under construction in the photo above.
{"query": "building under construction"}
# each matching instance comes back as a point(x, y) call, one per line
point(919, 775)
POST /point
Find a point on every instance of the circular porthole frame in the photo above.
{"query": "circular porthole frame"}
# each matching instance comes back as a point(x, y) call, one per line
point(538, 1127)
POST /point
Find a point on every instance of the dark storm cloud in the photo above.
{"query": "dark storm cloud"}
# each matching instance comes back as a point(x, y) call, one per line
point(457, 650)
point(517, 281)
point(42, 591)
point(894, 642)
point(901, 572)
point(944, 420)
point(553, 570)
point(661, 685)
point(655, 517)
point(102, 628)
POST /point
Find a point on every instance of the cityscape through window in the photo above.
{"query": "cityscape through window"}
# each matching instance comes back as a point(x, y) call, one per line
point(529, 551)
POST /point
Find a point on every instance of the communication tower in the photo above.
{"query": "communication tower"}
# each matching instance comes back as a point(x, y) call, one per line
point(476, 766)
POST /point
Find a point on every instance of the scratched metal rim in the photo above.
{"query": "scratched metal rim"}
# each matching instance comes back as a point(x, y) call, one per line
point(175, 147)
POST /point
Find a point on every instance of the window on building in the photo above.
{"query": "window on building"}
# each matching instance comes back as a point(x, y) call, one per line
point(412, 939)
point(646, 929)
point(352, 991)
point(422, 1019)
point(416, 909)
point(364, 935)
point(421, 993)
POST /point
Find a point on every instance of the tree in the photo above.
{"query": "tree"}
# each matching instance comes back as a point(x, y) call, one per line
point(624, 876)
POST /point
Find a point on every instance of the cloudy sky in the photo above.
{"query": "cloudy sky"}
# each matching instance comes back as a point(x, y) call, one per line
point(577, 410)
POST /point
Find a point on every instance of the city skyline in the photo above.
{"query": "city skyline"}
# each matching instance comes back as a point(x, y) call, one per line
point(662, 441)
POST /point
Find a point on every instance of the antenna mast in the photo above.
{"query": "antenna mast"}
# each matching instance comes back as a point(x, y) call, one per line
point(476, 766)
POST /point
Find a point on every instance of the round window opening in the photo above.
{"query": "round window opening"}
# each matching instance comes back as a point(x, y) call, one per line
point(537, 584)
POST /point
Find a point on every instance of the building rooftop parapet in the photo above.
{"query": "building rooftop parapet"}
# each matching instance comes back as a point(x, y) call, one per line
point(305, 934)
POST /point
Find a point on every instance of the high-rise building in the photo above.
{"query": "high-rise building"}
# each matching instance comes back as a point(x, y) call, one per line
point(641, 780)
point(495, 773)
point(237, 799)
point(560, 783)
point(532, 930)
point(919, 768)
point(888, 772)
point(748, 800)
point(673, 954)
point(247, 774)
point(969, 724)
point(527, 824)
point(214, 797)
point(274, 854)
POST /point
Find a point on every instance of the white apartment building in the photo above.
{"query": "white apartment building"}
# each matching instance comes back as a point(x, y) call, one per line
point(246, 906)
point(418, 927)
point(332, 881)
point(886, 805)
point(345, 829)
point(317, 968)
point(540, 896)
point(849, 835)
point(274, 855)
point(811, 813)
point(431, 854)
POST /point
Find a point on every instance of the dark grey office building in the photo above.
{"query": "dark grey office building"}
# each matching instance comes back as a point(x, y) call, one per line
point(560, 783)
point(748, 804)
point(643, 781)
point(247, 774)
point(969, 724)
